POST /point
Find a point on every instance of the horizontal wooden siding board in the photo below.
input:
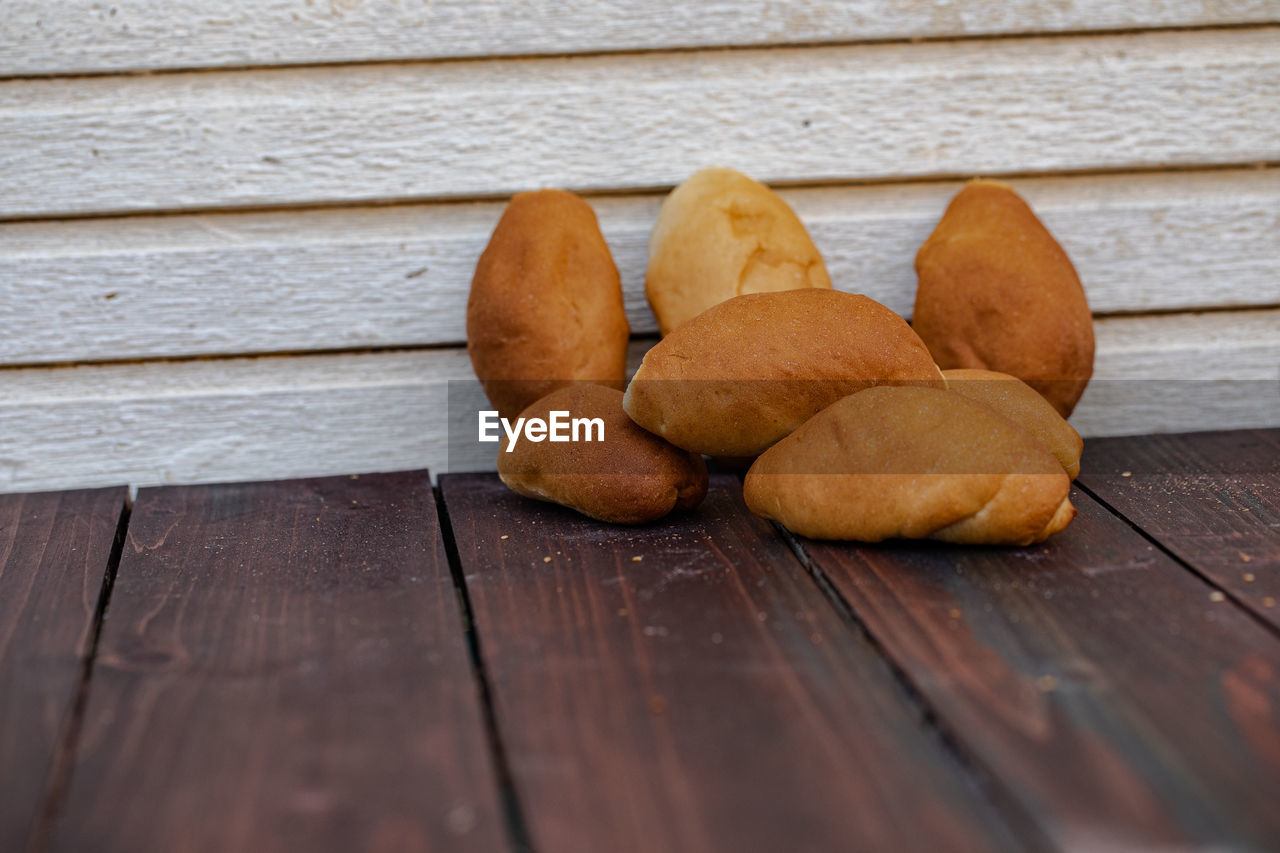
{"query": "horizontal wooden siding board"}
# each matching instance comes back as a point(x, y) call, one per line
point(238, 419)
point(78, 36)
point(441, 130)
point(145, 287)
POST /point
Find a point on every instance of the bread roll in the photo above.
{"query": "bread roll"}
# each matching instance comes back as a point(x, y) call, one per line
point(912, 463)
point(1020, 403)
point(546, 303)
point(629, 478)
point(745, 373)
point(721, 234)
point(997, 292)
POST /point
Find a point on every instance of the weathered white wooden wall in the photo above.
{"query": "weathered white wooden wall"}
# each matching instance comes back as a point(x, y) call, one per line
point(252, 261)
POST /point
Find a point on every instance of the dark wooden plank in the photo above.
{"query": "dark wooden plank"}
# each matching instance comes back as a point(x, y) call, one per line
point(54, 553)
point(283, 667)
point(686, 686)
point(1212, 499)
point(1104, 686)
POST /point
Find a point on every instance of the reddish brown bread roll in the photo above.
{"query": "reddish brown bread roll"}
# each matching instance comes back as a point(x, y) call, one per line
point(546, 303)
point(997, 292)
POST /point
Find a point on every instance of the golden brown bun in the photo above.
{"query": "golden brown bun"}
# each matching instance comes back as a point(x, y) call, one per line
point(997, 292)
point(546, 303)
point(1020, 403)
point(629, 478)
point(721, 234)
point(745, 373)
point(912, 463)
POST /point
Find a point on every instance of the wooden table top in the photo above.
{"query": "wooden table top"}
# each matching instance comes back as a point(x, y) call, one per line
point(365, 663)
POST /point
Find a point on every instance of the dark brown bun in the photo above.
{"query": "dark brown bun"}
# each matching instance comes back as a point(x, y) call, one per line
point(997, 292)
point(630, 478)
point(546, 303)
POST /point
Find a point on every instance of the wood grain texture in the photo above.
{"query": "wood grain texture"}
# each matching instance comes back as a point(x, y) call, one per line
point(244, 418)
point(54, 554)
point(687, 687)
point(145, 287)
point(282, 667)
point(1212, 499)
point(84, 35)
point(1095, 679)
point(451, 129)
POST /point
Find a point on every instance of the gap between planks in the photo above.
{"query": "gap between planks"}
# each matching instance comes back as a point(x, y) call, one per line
point(1021, 823)
point(1168, 552)
point(514, 821)
point(993, 781)
point(64, 757)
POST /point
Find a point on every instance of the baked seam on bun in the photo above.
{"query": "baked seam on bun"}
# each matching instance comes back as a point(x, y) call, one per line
point(904, 462)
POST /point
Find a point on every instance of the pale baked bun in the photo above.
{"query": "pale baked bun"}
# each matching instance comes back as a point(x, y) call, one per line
point(745, 373)
point(912, 463)
point(997, 292)
point(630, 478)
point(546, 303)
point(1020, 403)
point(719, 235)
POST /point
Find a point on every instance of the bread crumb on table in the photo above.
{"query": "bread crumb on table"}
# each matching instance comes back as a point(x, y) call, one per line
point(546, 559)
point(1217, 596)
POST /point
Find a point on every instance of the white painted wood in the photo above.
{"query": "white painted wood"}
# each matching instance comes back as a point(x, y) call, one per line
point(434, 130)
point(76, 36)
point(145, 287)
point(1183, 372)
point(244, 419)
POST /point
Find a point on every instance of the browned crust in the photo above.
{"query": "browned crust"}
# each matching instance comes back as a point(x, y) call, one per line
point(997, 292)
point(745, 373)
point(546, 303)
point(630, 478)
point(912, 463)
point(1021, 404)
